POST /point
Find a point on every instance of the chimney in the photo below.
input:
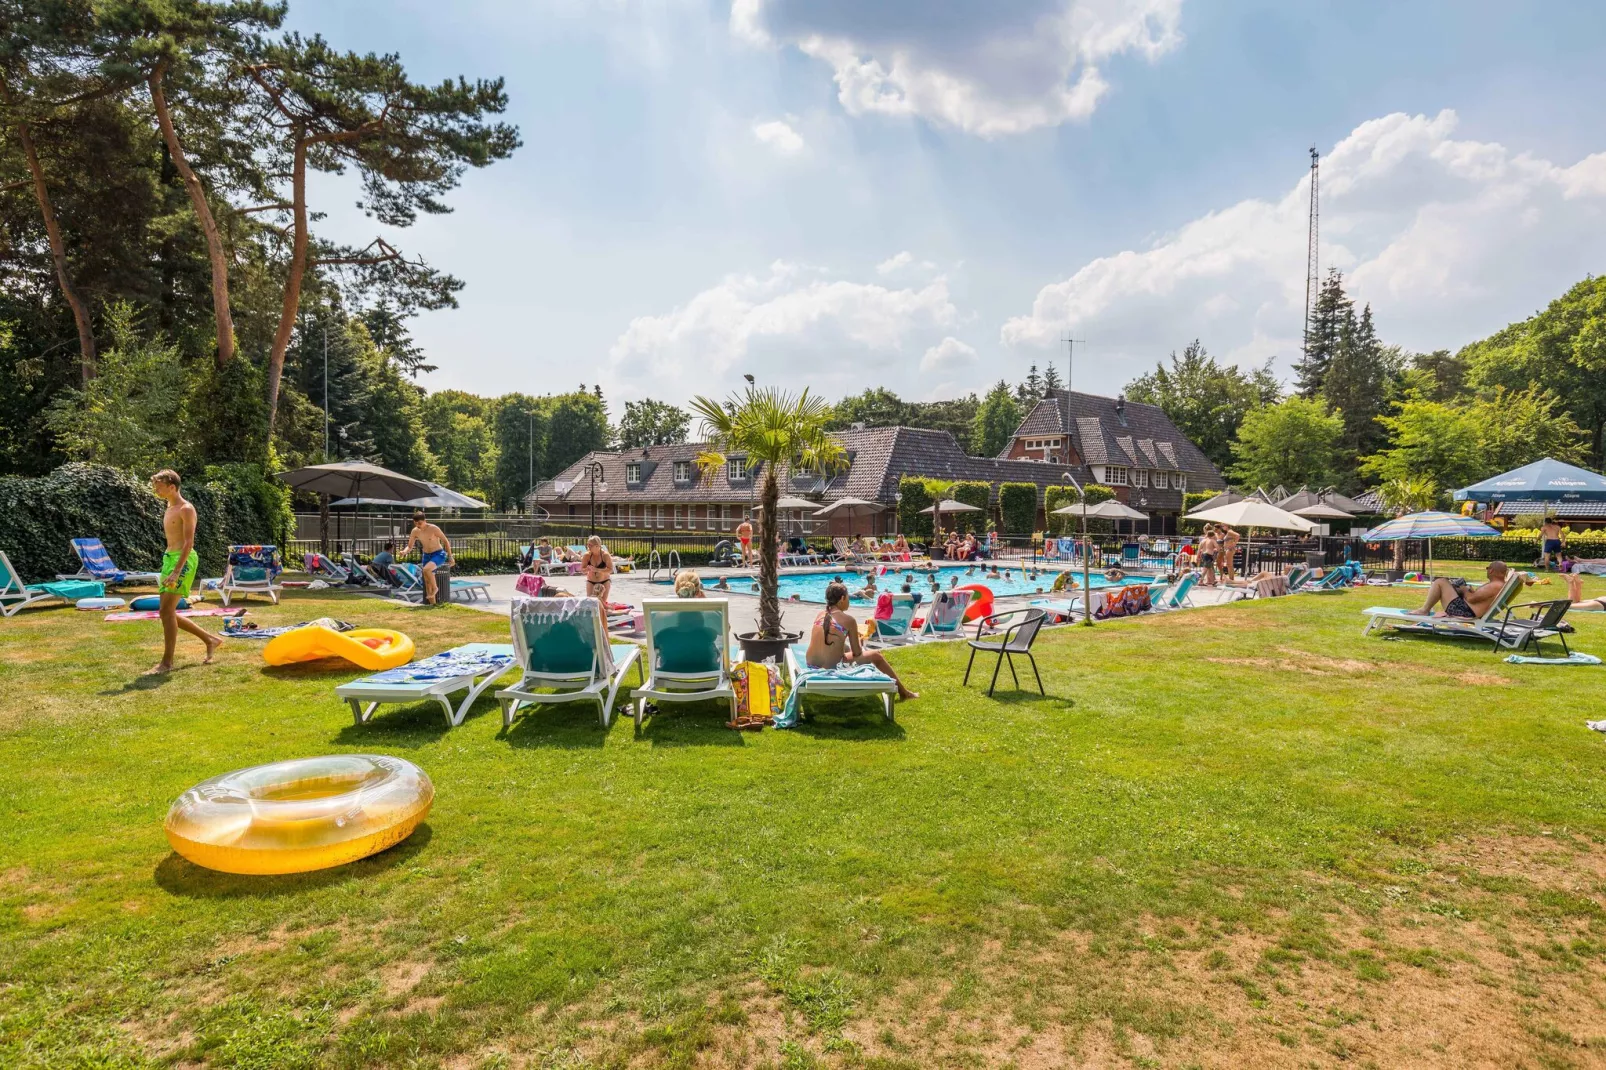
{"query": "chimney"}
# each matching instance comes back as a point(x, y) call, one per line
point(1120, 408)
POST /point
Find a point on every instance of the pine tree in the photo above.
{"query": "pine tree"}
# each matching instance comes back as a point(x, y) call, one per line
point(1052, 380)
point(1355, 385)
point(1327, 319)
point(1032, 389)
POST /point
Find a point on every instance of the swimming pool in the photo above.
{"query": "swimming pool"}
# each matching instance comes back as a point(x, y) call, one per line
point(810, 587)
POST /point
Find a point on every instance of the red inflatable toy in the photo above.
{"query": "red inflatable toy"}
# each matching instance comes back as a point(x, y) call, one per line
point(981, 604)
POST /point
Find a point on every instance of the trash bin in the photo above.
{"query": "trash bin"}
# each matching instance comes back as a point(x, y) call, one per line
point(443, 584)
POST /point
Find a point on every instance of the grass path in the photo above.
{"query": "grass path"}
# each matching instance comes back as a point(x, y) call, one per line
point(1227, 835)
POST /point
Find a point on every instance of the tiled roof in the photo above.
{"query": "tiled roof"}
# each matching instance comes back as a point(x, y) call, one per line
point(1559, 510)
point(1116, 431)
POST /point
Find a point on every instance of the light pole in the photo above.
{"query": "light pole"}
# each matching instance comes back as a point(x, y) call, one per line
point(595, 473)
point(1087, 555)
point(531, 452)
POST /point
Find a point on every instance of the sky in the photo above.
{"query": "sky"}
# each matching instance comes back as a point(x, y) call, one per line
point(931, 195)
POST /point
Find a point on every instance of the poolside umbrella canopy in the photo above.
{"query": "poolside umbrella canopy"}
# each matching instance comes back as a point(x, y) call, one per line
point(1322, 511)
point(849, 507)
point(949, 506)
point(440, 498)
point(1430, 526)
point(1226, 497)
point(350, 479)
point(1253, 513)
point(1546, 480)
point(1105, 510)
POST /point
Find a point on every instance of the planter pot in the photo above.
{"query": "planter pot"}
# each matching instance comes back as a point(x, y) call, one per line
point(756, 649)
point(1395, 575)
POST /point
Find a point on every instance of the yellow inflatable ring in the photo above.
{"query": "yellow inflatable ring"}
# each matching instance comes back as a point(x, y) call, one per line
point(369, 648)
point(300, 815)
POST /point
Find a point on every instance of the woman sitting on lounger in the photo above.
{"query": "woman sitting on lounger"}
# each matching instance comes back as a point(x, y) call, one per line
point(834, 639)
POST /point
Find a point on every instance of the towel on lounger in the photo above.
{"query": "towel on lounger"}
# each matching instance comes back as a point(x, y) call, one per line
point(859, 674)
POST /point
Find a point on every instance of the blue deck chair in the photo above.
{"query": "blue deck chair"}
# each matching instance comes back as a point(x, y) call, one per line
point(563, 644)
point(1179, 594)
point(16, 596)
point(411, 588)
point(97, 564)
point(946, 617)
point(688, 653)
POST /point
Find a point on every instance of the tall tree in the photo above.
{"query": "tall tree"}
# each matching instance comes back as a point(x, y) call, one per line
point(652, 423)
point(1323, 334)
point(876, 407)
point(1031, 389)
point(521, 436)
point(458, 428)
point(1448, 372)
point(1291, 443)
point(1206, 400)
point(1430, 441)
point(1052, 380)
point(388, 329)
point(1356, 382)
point(957, 416)
point(410, 143)
point(995, 422)
point(577, 424)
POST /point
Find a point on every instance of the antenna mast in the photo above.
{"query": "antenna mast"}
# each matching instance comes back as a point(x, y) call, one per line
point(1313, 243)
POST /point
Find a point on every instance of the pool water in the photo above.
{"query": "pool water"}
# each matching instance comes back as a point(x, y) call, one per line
point(810, 587)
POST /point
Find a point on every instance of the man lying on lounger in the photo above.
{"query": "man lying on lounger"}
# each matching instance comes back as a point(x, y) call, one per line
point(1460, 602)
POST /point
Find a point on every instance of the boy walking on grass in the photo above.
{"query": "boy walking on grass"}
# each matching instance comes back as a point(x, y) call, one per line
point(178, 571)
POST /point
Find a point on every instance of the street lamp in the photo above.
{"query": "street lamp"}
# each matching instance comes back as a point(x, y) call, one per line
point(1087, 556)
point(598, 478)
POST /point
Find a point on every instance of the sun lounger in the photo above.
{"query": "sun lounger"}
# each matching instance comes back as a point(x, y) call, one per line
point(1179, 594)
point(688, 652)
point(561, 643)
point(1334, 580)
point(316, 564)
point(471, 668)
point(16, 596)
point(412, 587)
point(251, 570)
point(1486, 627)
point(847, 554)
point(897, 628)
point(845, 681)
point(946, 615)
point(97, 564)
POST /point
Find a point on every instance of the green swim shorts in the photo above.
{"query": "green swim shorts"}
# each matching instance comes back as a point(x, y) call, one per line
point(170, 581)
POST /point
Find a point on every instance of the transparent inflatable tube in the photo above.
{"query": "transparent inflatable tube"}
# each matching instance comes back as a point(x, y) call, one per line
point(300, 815)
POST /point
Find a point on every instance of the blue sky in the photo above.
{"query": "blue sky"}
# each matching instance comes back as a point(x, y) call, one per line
point(928, 195)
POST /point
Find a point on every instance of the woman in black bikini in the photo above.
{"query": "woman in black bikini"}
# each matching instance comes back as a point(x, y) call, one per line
point(834, 639)
point(597, 565)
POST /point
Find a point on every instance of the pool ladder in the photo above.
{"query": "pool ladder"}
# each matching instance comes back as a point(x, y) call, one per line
point(655, 563)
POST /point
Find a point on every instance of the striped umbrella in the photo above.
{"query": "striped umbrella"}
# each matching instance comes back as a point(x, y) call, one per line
point(1430, 526)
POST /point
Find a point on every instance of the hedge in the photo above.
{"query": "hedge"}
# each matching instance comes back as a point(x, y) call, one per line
point(1191, 500)
point(1060, 496)
point(914, 494)
point(40, 516)
point(972, 492)
point(1018, 504)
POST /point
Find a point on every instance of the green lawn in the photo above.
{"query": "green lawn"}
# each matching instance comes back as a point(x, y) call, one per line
point(1234, 836)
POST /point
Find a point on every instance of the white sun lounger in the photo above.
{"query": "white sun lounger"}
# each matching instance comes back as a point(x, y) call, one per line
point(96, 564)
point(1486, 627)
point(809, 682)
point(471, 668)
point(688, 652)
point(15, 595)
point(562, 643)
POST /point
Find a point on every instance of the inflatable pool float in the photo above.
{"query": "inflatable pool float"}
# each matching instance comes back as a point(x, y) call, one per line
point(981, 602)
point(100, 603)
point(369, 648)
point(300, 815)
point(147, 602)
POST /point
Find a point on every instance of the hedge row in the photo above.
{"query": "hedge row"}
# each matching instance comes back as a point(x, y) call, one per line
point(40, 516)
point(1060, 496)
point(971, 492)
point(1018, 504)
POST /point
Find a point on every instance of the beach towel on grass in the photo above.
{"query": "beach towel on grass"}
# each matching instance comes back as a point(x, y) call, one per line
point(235, 628)
point(859, 674)
point(73, 590)
point(1577, 657)
point(155, 614)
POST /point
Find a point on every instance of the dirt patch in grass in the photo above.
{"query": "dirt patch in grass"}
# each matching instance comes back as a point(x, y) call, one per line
point(1308, 664)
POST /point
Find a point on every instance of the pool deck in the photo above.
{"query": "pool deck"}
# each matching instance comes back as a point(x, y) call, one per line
point(795, 616)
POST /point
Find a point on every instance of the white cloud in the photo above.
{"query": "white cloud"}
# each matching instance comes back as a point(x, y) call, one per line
point(793, 326)
point(988, 69)
point(780, 136)
point(948, 355)
point(895, 263)
point(1448, 239)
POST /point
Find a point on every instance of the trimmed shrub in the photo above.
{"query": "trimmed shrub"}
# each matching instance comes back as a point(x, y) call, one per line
point(1191, 500)
point(1059, 497)
point(917, 493)
point(972, 492)
point(39, 517)
point(1018, 504)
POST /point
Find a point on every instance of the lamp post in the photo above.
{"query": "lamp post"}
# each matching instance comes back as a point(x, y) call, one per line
point(1087, 555)
point(596, 475)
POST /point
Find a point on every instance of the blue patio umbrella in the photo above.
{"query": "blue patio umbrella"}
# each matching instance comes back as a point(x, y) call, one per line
point(1430, 526)
point(1546, 480)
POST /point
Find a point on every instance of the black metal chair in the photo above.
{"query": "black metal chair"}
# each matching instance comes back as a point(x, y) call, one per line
point(1543, 622)
point(1017, 638)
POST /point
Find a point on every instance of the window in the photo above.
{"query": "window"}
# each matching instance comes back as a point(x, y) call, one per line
point(1179, 480)
point(1115, 476)
point(680, 512)
point(683, 472)
point(633, 472)
point(736, 468)
point(1140, 478)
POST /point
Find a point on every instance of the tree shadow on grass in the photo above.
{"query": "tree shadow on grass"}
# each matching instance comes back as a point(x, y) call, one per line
point(689, 724)
point(177, 875)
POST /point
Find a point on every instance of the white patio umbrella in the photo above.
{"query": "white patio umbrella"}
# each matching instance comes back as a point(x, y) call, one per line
point(1105, 510)
point(1253, 513)
point(950, 505)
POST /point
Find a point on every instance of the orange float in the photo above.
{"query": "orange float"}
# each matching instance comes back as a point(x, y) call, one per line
point(981, 604)
point(374, 649)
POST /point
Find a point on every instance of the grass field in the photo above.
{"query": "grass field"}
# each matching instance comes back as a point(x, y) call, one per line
point(1227, 837)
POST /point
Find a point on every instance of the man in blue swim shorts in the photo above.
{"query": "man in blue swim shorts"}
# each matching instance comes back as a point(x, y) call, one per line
point(437, 550)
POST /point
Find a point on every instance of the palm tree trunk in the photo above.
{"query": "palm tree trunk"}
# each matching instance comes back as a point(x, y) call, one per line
point(203, 212)
point(769, 569)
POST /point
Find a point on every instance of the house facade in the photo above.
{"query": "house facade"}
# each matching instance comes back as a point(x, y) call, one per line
point(661, 488)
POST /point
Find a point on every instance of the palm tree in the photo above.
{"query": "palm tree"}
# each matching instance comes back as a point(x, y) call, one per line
point(770, 427)
point(1416, 494)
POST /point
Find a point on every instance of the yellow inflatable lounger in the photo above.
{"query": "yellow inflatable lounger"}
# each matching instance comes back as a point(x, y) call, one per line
point(369, 648)
point(300, 815)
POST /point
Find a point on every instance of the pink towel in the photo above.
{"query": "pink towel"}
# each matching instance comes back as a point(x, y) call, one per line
point(883, 607)
point(198, 611)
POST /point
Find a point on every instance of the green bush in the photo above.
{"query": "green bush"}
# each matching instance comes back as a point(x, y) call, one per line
point(917, 493)
point(1191, 500)
point(972, 492)
point(1059, 497)
point(1018, 504)
point(40, 516)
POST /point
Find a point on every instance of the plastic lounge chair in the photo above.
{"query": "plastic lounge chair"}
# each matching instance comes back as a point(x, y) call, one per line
point(411, 589)
point(946, 617)
point(851, 681)
point(561, 643)
point(318, 565)
point(896, 628)
point(1543, 622)
point(1016, 638)
point(846, 553)
point(1179, 594)
point(1486, 627)
point(251, 570)
point(1335, 579)
point(1297, 577)
point(97, 564)
point(471, 668)
point(688, 652)
point(16, 596)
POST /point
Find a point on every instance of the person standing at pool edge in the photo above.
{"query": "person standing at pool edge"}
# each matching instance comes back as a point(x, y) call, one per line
point(178, 571)
point(744, 532)
point(436, 550)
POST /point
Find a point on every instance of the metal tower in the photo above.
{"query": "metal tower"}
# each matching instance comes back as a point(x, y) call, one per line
point(1313, 242)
